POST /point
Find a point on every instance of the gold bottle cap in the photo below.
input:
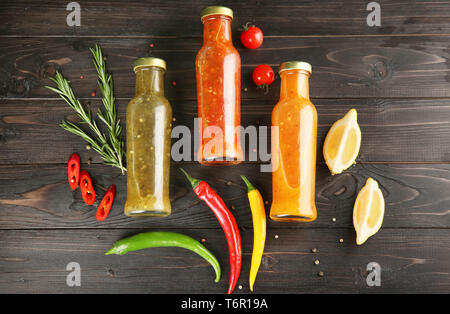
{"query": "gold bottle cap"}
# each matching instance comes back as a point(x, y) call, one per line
point(295, 65)
point(149, 62)
point(216, 10)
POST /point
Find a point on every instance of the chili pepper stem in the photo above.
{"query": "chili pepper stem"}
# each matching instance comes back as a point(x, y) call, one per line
point(250, 186)
point(194, 182)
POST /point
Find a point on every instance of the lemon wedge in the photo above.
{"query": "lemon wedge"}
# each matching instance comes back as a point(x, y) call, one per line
point(341, 146)
point(368, 211)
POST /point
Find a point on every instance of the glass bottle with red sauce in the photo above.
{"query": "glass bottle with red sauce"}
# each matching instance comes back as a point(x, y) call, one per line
point(294, 147)
point(218, 71)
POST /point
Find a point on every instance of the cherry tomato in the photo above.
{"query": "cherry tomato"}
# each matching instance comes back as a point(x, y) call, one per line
point(263, 75)
point(73, 170)
point(252, 37)
point(87, 188)
point(106, 203)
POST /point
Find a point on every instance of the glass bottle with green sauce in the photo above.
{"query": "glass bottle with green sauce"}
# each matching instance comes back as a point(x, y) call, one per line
point(149, 125)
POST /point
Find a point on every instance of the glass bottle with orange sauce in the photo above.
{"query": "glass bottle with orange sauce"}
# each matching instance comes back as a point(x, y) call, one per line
point(218, 71)
point(294, 141)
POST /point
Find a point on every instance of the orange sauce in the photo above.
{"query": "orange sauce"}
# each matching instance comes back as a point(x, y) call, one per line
point(294, 150)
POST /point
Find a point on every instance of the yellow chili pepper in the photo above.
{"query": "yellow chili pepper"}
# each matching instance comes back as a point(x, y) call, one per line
point(259, 228)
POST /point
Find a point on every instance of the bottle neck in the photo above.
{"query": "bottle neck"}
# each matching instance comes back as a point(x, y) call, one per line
point(294, 83)
point(217, 28)
point(150, 80)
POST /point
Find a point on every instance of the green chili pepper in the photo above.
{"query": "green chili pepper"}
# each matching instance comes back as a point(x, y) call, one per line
point(164, 239)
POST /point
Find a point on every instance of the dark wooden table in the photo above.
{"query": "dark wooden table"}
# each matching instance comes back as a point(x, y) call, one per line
point(396, 75)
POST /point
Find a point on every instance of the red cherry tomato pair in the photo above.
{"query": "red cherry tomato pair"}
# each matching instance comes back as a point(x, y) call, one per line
point(75, 177)
point(252, 37)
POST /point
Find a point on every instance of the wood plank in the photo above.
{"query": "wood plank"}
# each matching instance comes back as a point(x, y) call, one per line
point(393, 130)
point(39, 197)
point(281, 18)
point(34, 261)
point(350, 67)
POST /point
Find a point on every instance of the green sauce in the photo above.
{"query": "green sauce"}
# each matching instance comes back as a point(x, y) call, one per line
point(149, 125)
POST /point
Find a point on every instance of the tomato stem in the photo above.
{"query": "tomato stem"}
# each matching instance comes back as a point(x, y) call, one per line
point(247, 25)
point(265, 87)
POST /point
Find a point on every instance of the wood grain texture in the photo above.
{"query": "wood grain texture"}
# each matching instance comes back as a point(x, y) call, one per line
point(281, 18)
point(353, 67)
point(396, 76)
point(34, 261)
point(393, 130)
point(39, 197)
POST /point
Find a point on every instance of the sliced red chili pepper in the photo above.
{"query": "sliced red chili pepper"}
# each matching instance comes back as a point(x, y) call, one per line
point(106, 203)
point(86, 187)
point(228, 223)
point(73, 170)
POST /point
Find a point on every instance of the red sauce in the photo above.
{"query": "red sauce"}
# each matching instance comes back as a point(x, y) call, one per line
point(218, 67)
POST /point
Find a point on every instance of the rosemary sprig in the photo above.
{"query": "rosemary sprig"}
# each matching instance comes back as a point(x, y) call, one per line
point(112, 151)
point(109, 117)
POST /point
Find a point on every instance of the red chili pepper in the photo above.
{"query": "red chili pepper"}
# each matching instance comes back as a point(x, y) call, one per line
point(106, 203)
point(228, 223)
point(86, 187)
point(73, 170)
